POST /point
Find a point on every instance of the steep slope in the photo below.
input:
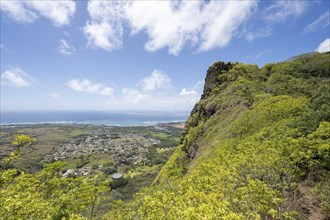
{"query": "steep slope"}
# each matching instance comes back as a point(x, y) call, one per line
point(250, 141)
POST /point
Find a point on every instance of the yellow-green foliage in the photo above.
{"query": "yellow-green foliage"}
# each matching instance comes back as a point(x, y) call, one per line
point(22, 140)
point(258, 133)
point(46, 195)
point(174, 168)
point(142, 170)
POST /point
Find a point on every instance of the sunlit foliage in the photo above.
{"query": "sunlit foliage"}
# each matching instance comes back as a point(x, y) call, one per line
point(46, 195)
point(246, 147)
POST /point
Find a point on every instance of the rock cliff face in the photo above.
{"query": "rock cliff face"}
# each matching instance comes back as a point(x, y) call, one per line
point(212, 75)
point(201, 112)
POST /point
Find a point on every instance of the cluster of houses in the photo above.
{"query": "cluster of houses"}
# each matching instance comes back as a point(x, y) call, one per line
point(125, 148)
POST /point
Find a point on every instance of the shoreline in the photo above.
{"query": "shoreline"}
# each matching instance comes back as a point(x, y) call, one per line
point(175, 123)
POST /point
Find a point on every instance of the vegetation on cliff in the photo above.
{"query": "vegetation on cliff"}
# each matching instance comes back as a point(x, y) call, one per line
point(255, 136)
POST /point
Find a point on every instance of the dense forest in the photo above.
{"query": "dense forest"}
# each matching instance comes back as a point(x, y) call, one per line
point(256, 146)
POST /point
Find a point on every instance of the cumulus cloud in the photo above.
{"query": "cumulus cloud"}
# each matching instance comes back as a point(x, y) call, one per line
point(59, 12)
point(17, 11)
point(133, 96)
point(168, 24)
point(137, 100)
point(324, 46)
point(322, 22)
point(102, 35)
point(156, 80)
point(186, 92)
point(86, 85)
point(193, 90)
point(16, 77)
point(65, 49)
point(105, 28)
point(283, 9)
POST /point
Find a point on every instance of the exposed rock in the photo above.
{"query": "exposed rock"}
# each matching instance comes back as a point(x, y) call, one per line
point(212, 73)
point(200, 112)
point(116, 176)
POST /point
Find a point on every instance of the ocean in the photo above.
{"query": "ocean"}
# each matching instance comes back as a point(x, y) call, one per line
point(91, 117)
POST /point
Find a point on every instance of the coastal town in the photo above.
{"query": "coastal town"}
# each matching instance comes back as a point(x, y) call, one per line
point(97, 148)
point(126, 148)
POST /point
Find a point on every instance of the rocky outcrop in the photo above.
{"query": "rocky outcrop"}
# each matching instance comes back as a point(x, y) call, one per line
point(212, 74)
point(201, 112)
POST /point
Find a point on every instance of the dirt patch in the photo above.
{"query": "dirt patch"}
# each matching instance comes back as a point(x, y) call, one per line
point(311, 204)
point(179, 125)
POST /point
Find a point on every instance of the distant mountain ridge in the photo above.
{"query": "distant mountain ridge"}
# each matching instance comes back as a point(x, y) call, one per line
point(256, 146)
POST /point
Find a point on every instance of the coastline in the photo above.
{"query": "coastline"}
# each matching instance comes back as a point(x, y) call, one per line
point(175, 123)
point(121, 119)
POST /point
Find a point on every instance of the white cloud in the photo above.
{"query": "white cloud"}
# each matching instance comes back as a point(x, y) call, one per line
point(59, 12)
point(16, 77)
point(322, 22)
point(105, 29)
point(136, 100)
point(193, 91)
point(86, 85)
point(65, 49)
point(283, 9)
point(260, 54)
point(156, 80)
point(277, 11)
point(186, 92)
point(133, 96)
point(263, 32)
point(17, 11)
point(324, 46)
point(106, 91)
point(226, 17)
point(170, 100)
point(102, 35)
point(54, 95)
point(171, 24)
point(199, 85)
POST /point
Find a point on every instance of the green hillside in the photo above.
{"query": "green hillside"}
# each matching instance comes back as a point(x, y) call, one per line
point(256, 146)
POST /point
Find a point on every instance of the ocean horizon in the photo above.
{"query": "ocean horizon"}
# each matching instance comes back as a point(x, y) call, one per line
point(127, 118)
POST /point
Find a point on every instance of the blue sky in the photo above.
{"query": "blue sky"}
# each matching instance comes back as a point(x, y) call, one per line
point(142, 55)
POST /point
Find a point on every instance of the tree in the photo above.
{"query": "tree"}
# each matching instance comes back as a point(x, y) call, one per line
point(46, 195)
